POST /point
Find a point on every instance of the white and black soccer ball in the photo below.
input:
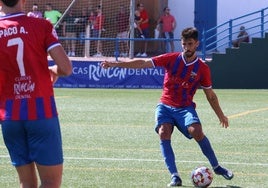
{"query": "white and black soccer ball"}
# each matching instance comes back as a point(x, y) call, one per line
point(201, 177)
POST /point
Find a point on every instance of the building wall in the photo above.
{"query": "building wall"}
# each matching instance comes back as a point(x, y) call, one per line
point(227, 9)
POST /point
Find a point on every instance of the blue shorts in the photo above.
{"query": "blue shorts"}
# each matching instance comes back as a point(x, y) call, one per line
point(182, 118)
point(33, 141)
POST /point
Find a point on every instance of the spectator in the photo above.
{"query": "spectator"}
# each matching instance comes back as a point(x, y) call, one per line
point(122, 22)
point(53, 16)
point(82, 22)
point(28, 114)
point(97, 30)
point(69, 31)
point(144, 25)
point(168, 26)
point(184, 74)
point(91, 19)
point(241, 37)
point(35, 12)
point(137, 24)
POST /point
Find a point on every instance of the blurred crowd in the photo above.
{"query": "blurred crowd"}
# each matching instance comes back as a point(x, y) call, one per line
point(73, 28)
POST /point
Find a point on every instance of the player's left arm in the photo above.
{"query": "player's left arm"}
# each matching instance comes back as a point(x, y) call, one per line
point(63, 65)
point(214, 103)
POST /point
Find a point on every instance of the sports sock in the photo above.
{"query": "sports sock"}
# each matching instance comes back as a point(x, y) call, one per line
point(208, 151)
point(168, 155)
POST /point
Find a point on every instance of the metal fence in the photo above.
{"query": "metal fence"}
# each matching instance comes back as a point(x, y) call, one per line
point(256, 24)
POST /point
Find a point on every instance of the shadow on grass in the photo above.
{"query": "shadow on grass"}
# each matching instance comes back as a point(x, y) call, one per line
point(227, 186)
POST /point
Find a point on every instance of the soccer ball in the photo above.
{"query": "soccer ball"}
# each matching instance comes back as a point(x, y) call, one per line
point(201, 176)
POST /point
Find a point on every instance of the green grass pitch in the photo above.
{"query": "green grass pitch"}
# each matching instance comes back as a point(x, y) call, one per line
point(109, 140)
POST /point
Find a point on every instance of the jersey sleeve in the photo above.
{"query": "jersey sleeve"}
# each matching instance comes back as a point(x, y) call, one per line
point(165, 59)
point(51, 39)
point(205, 81)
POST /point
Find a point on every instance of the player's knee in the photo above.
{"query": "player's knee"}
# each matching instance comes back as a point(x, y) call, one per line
point(196, 132)
point(165, 131)
point(50, 183)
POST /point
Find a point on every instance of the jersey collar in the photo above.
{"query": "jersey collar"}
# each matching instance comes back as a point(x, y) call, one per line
point(12, 15)
point(189, 63)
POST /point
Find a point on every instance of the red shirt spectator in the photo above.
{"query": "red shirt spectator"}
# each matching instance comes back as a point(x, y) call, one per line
point(99, 21)
point(144, 17)
point(168, 22)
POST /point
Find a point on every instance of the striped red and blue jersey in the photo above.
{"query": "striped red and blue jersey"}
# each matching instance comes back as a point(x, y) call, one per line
point(182, 78)
point(26, 90)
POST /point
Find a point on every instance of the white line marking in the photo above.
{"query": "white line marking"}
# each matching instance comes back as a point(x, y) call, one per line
point(151, 160)
point(247, 112)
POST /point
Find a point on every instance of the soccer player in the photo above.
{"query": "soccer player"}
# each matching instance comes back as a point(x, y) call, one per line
point(184, 73)
point(28, 113)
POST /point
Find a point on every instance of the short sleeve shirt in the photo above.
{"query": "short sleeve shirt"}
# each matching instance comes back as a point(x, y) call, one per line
point(182, 78)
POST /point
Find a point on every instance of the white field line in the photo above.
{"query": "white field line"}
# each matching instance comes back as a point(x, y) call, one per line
point(151, 160)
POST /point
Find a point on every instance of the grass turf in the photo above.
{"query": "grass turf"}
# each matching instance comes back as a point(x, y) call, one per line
point(109, 139)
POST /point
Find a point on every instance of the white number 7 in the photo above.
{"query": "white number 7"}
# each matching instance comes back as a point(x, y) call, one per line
point(19, 42)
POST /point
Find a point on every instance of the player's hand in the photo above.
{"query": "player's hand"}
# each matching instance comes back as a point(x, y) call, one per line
point(106, 64)
point(224, 121)
point(54, 77)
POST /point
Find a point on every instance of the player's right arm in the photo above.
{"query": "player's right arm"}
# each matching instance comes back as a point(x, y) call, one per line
point(63, 65)
point(134, 64)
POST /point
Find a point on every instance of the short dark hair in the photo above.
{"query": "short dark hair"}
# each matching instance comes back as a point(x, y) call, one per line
point(165, 9)
point(139, 4)
point(49, 4)
point(190, 32)
point(10, 3)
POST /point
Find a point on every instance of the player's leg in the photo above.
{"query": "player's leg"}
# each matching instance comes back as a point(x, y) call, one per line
point(187, 121)
point(165, 131)
point(195, 130)
point(27, 175)
point(45, 137)
point(15, 138)
point(50, 176)
point(164, 128)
